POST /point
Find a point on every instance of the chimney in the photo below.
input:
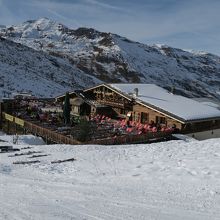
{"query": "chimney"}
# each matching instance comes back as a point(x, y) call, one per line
point(136, 92)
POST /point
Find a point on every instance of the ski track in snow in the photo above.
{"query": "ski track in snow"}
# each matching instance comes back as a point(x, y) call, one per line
point(163, 181)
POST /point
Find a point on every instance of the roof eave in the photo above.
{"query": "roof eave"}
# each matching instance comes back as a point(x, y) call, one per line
point(202, 119)
point(63, 96)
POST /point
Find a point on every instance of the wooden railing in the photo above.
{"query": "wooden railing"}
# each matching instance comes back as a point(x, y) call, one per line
point(133, 139)
point(45, 133)
point(58, 138)
point(111, 103)
point(49, 134)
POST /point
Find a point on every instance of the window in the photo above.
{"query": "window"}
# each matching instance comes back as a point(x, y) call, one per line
point(160, 120)
point(144, 117)
point(136, 116)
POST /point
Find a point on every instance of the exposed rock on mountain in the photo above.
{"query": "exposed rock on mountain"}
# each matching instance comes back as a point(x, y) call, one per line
point(112, 58)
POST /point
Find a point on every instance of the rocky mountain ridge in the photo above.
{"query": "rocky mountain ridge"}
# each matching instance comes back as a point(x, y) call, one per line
point(112, 58)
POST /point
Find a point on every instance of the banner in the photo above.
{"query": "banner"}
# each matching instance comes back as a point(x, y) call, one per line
point(19, 122)
point(9, 117)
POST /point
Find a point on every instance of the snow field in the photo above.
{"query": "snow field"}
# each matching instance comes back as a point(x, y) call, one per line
point(170, 180)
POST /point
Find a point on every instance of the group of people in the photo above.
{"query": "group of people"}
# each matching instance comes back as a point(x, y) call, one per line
point(124, 126)
point(118, 127)
point(140, 128)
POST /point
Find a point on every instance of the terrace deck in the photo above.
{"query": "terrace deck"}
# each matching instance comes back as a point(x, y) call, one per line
point(52, 135)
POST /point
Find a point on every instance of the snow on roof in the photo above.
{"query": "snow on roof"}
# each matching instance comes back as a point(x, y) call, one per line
point(156, 97)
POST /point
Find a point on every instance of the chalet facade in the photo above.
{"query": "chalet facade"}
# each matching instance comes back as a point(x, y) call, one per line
point(107, 96)
point(81, 105)
point(146, 103)
point(78, 104)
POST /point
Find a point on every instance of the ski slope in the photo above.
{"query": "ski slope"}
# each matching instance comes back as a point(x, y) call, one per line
point(162, 181)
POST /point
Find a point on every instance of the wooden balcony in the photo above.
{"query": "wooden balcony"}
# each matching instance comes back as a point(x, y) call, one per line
point(112, 103)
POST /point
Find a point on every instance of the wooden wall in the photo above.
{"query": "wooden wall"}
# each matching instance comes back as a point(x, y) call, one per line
point(201, 126)
point(153, 114)
point(108, 97)
point(123, 106)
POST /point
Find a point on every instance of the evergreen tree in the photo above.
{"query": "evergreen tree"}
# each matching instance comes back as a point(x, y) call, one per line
point(66, 109)
point(84, 130)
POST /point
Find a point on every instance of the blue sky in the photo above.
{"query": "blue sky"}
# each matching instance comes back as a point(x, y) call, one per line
point(186, 24)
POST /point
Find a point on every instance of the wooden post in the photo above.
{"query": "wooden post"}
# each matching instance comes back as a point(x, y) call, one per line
point(15, 127)
point(8, 126)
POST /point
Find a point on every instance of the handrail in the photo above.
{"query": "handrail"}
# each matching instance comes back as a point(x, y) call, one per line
point(62, 139)
point(132, 139)
point(41, 131)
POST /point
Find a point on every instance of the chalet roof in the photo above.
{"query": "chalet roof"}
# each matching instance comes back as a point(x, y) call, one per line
point(71, 94)
point(175, 106)
point(112, 88)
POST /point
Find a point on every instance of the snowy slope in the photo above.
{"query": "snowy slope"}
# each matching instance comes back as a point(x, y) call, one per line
point(23, 69)
point(163, 181)
point(114, 59)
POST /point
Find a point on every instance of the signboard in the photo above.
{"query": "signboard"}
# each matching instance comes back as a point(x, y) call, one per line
point(19, 122)
point(9, 117)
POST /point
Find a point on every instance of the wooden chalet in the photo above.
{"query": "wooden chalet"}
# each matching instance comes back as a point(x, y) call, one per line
point(150, 111)
point(148, 103)
point(82, 105)
point(103, 94)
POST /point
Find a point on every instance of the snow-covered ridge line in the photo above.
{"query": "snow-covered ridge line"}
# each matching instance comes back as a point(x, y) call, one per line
point(112, 58)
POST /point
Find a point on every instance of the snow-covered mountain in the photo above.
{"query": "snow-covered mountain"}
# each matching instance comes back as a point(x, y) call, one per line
point(23, 69)
point(112, 58)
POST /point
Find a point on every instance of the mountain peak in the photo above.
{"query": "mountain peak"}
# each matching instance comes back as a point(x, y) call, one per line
point(41, 24)
point(46, 22)
point(112, 58)
point(42, 19)
point(35, 29)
